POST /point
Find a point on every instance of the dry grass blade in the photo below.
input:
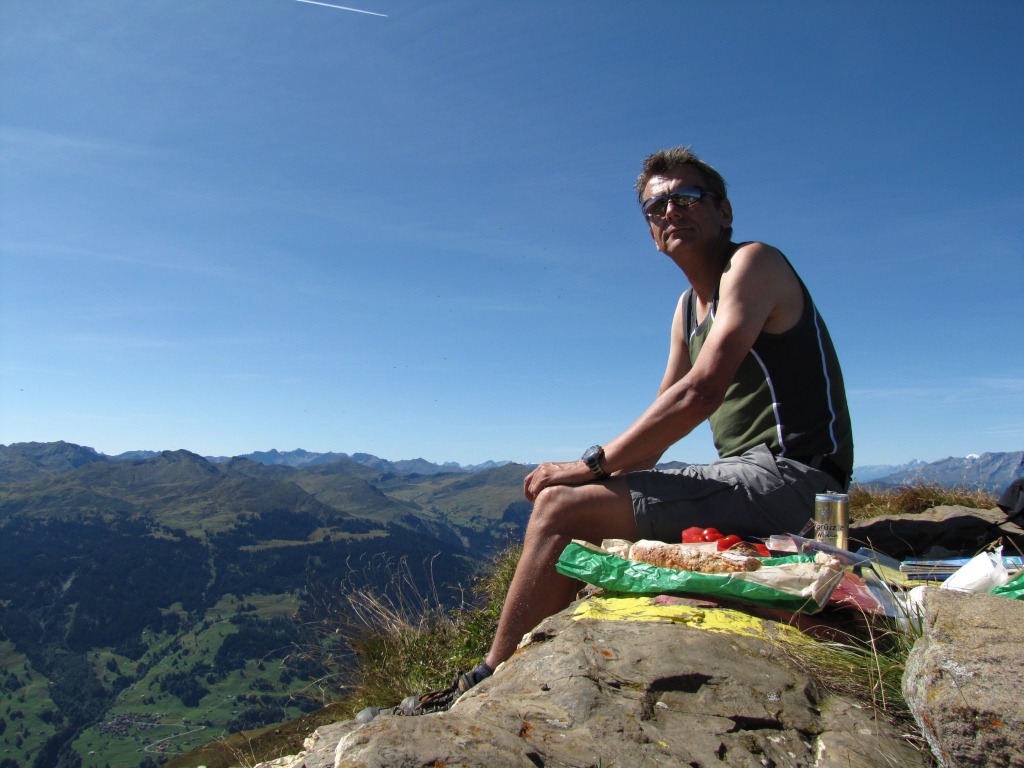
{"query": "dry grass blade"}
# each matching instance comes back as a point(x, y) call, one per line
point(385, 644)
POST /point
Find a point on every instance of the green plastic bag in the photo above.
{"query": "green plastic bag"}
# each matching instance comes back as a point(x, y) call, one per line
point(1013, 589)
point(793, 583)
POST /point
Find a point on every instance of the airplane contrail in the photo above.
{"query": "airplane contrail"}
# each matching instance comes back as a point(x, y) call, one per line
point(342, 8)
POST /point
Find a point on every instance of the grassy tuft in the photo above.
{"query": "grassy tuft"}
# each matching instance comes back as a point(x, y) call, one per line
point(865, 504)
point(400, 652)
point(382, 647)
point(867, 669)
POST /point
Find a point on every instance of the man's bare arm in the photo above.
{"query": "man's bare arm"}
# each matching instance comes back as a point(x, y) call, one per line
point(569, 472)
point(758, 291)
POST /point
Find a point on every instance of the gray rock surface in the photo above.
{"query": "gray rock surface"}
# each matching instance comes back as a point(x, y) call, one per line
point(939, 531)
point(710, 688)
point(965, 677)
point(319, 748)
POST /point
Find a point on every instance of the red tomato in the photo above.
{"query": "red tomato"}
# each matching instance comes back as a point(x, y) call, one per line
point(762, 550)
point(711, 534)
point(726, 542)
point(693, 535)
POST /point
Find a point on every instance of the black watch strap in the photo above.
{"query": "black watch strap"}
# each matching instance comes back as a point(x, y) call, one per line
point(592, 458)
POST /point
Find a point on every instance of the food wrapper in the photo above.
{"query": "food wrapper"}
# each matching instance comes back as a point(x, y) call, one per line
point(982, 573)
point(1013, 589)
point(794, 583)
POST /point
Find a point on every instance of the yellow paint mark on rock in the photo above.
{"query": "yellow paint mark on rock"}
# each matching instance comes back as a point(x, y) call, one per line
point(714, 619)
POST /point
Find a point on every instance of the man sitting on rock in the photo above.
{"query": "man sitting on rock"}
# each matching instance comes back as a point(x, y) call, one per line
point(750, 352)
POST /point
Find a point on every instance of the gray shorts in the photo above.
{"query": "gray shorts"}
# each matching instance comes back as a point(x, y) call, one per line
point(753, 494)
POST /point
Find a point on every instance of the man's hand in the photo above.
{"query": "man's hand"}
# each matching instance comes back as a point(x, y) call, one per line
point(559, 473)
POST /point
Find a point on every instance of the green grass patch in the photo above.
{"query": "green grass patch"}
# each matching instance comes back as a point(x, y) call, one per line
point(9, 656)
point(147, 720)
point(25, 707)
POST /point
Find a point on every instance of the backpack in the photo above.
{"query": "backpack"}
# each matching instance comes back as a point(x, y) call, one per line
point(1012, 500)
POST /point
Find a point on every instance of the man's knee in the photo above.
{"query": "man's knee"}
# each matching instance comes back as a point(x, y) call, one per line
point(591, 512)
point(554, 507)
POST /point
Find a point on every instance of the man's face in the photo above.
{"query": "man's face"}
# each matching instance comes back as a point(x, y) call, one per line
point(684, 228)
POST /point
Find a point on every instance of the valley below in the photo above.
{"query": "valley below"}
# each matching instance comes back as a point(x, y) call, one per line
point(148, 606)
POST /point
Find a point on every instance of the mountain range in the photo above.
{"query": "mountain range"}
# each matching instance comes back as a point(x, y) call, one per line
point(990, 472)
point(62, 454)
point(303, 458)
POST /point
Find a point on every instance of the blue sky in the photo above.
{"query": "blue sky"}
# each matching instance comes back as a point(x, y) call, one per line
point(236, 225)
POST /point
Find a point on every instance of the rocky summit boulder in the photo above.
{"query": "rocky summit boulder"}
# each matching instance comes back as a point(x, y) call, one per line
point(627, 681)
point(964, 679)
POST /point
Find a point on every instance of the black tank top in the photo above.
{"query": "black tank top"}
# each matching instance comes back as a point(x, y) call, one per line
point(788, 393)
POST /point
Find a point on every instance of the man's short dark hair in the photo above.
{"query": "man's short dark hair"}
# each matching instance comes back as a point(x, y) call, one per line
point(668, 160)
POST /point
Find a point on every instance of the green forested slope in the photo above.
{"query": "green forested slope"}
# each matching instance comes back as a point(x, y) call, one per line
point(146, 606)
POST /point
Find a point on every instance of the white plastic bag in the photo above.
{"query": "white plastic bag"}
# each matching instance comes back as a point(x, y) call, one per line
point(912, 610)
point(982, 573)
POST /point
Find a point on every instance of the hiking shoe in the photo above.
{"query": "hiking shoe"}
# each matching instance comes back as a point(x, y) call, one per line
point(442, 700)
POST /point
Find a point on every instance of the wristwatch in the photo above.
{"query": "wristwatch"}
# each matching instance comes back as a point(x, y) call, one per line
point(592, 458)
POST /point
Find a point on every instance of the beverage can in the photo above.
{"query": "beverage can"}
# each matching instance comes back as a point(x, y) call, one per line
point(832, 519)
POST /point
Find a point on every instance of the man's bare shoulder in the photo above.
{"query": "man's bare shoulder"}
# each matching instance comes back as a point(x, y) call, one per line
point(757, 256)
point(760, 277)
point(760, 262)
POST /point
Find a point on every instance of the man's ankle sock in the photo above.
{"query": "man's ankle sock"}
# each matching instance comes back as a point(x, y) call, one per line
point(479, 673)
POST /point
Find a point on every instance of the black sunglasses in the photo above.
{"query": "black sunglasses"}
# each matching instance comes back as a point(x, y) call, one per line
point(656, 207)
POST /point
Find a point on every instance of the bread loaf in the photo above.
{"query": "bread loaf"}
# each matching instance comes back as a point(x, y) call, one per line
point(687, 558)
